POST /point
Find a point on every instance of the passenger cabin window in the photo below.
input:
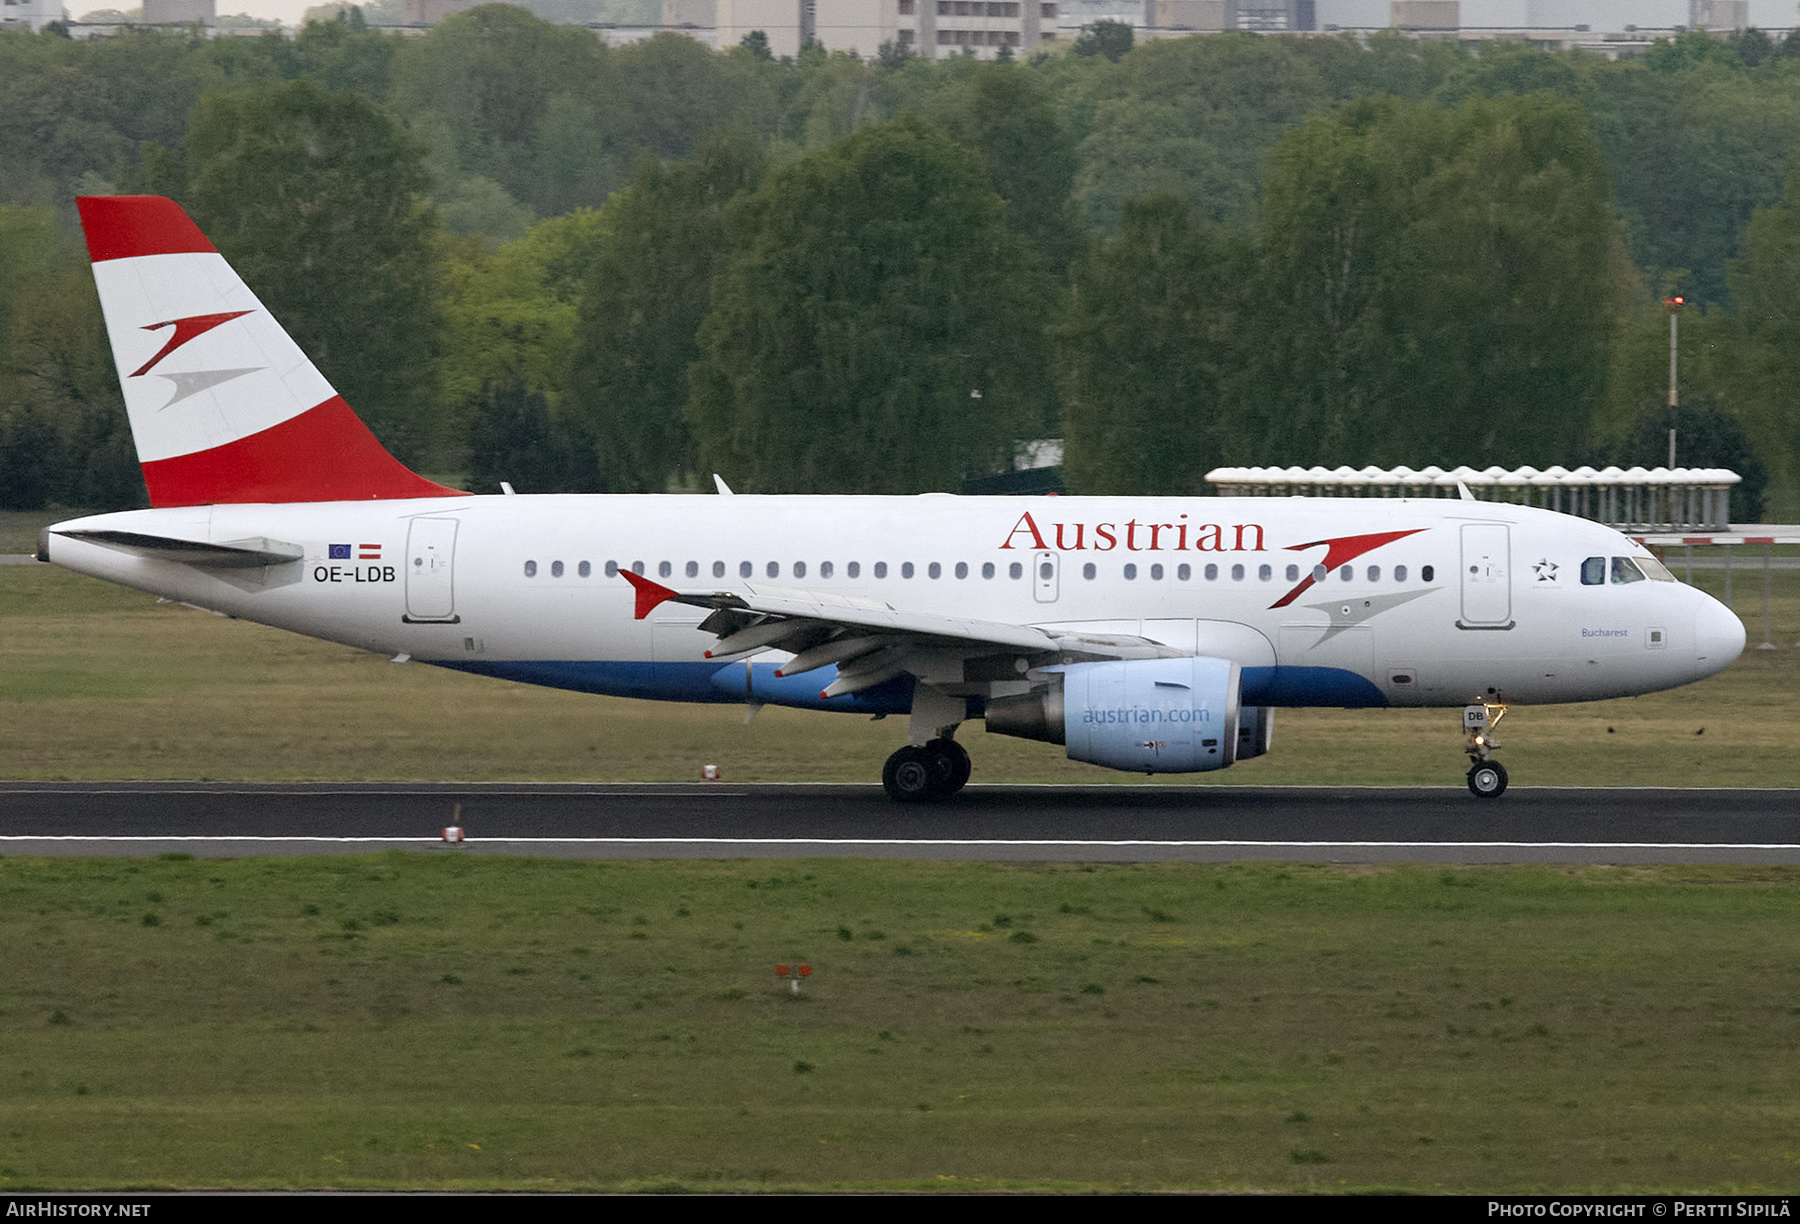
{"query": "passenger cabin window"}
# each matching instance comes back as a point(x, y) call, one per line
point(906, 569)
point(718, 569)
point(585, 568)
point(1426, 573)
point(531, 569)
point(556, 569)
point(1015, 570)
point(1237, 573)
point(637, 567)
point(1130, 572)
point(799, 569)
point(934, 570)
point(1156, 573)
point(1265, 572)
point(987, 569)
point(745, 569)
point(693, 569)
point(854, 569)
point(824, 569)
point(612, 569)
point(664, 569)
point(1293, 573)
point(881, 569)
point(1212, 573)
point(1087, 571)
point(1184, 572)
point(1399, 573)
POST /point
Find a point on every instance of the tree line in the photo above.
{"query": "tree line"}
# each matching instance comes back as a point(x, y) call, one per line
point(524, 255)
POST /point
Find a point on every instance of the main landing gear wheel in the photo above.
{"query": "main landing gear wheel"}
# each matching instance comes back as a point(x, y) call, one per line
point(920, 775)
point(1487, 779)
point(957, 758)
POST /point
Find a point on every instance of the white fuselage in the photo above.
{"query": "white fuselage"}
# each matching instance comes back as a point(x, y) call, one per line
point(1476, 600)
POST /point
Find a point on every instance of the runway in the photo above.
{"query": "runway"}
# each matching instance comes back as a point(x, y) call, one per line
point(1118, 823)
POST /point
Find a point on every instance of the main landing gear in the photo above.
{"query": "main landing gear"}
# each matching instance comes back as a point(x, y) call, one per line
point(1487, 777)
point(920, 775)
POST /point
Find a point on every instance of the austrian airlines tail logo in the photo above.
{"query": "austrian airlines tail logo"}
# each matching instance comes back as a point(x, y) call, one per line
point(191, 382)
point(1341, 551)
point(185, 330)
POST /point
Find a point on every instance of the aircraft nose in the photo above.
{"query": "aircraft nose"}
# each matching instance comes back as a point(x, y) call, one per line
point(1718, 636)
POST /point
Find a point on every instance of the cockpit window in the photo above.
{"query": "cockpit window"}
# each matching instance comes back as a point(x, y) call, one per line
point(1655, 570)
point(1624, 570)
point(1593, 571)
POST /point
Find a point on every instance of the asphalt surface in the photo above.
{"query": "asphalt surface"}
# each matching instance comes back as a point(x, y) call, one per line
point(1119, 823)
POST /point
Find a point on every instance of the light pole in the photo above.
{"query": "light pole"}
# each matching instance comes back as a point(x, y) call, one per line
point(1674, 304)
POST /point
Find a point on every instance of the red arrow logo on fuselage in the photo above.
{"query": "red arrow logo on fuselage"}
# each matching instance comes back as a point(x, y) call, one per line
point(185, 330)
point(1341, 551)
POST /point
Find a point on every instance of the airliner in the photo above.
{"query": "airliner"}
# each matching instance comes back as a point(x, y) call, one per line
point(1156, 635)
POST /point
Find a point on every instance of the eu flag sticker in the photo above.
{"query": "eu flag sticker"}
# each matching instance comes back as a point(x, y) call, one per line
point(340, 552)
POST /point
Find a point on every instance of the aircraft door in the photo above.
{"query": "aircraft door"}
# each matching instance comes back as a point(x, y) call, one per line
point(1046, 570)
point(1486, 576)
point(430, 555)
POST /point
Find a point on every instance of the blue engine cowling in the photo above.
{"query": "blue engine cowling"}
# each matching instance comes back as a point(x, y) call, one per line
point(1152, 715)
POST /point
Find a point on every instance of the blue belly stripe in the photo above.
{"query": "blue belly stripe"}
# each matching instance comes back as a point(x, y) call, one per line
point(724, 683)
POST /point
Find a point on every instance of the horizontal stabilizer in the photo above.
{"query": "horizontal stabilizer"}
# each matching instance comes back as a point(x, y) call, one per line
point(236, 554)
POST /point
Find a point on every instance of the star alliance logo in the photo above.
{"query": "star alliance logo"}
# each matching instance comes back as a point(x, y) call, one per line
point(1545, 570)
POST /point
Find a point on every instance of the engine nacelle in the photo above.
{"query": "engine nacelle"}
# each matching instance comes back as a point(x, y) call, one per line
point(1143, 715)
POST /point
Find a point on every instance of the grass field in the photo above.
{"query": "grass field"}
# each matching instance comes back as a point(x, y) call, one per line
point(101, 682)
point(457, 1021)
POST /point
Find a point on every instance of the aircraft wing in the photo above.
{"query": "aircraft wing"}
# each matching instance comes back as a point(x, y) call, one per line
point(870, 641)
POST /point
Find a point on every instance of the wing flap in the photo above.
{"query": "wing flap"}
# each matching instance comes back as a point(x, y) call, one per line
point(829, 607)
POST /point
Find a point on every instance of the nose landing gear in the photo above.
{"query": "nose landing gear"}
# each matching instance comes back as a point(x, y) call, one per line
point(1487, 777)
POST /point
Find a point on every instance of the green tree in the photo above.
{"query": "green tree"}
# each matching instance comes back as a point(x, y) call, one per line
point(878, 331)
point(63, 432)
point(1147, 353)
point(512, 94)
point(1697, 145)
point(515, 437)
point(511, 315)
point(1111, 39)
point(664, 240)
point(1765, 365)
point(1008, 114)
point(1443, 286)
point(314, 197)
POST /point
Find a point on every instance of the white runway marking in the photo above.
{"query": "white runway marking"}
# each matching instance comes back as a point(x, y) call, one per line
point(923, 841)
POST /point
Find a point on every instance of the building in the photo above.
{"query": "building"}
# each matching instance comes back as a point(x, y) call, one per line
point(1425, 15)
point(1201, 16)
point(31, 15)
point(1720, 15)
point(931, 28)
point(181, 12)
